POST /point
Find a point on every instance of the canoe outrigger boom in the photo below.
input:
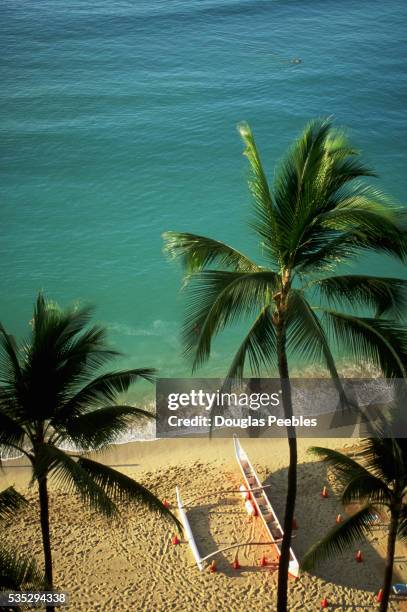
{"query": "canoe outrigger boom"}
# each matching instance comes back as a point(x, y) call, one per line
point(260, 502)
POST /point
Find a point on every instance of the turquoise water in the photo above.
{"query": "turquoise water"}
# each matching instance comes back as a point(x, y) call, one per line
point(118, 123)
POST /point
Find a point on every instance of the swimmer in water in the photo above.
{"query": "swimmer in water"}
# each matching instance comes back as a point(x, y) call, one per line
point(282, 60)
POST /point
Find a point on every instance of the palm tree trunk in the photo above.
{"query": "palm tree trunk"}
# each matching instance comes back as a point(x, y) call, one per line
point(292, 468)
point(391, 545)
point(46, 539)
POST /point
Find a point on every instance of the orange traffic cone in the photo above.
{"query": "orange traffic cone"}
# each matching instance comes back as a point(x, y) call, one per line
point(359, 556)
point(379, 596)
point(175, 540)
point(324, 603)
point(166, 503)
point(263, 561)
point(295, 524)
point(212, 567)
point(339, 519)
point(236, 564)
point(324, 492)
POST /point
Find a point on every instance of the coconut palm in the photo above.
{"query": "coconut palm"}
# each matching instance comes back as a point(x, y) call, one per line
point(316, 214)
point(52, 393)
point(16, 571)
point(376, 479)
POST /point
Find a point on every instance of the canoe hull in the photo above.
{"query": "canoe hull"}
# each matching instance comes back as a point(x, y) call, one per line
point(263, 505)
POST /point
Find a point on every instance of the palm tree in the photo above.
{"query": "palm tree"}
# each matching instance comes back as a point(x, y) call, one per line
point(16, 572)
point(316, 214)
point(52, 393)
point(376, 478)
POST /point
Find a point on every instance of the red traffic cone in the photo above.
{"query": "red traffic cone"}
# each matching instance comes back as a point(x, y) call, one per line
point(339, 519)
point(175, 540)
point(324, 603)
point(166, 503)
point(212, 567)
point(295, 524)
point(236, 564)
point(263, 561)
point(359, 556)
point(379, 596)
point(324, 492)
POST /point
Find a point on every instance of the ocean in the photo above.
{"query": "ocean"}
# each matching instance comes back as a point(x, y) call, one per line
point(119, 123)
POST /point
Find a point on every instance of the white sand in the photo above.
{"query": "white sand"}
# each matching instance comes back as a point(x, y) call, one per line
point(132, 565)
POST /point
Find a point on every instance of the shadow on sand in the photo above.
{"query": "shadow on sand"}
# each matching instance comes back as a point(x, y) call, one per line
point(315, 516)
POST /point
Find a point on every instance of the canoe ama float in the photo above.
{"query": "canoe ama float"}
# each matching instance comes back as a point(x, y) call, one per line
point(262, 505)
point(188, 531)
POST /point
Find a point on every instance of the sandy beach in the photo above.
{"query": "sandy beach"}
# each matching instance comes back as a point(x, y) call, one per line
point(132, 565)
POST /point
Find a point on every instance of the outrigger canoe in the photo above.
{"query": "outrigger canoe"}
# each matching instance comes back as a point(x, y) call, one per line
point(201, 561)
point(262, 505)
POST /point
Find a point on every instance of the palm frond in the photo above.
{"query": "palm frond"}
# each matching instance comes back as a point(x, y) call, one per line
point(346, 167)
point(346, 468)
point(68, 473)
point(324, 249)
point(385, 459)
point(61, 356)
point(198, 252)
point(265, 222)
point(300, 186)
point(100, 427)
point(382, 343)
point(83, 355)
point(12, 434)
point(10, 369)
point(317, 172)
point(306, 338)
point(101, 390)
point(18, 572)
point(339, 538)
point(356, 218)
point(366, 487)
point(402, 526)
point(385, 295)
point(217, 298)
point(122, 488)
point(54, 327)
point(376, 224)
point(259, 347)
point(11, 501)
